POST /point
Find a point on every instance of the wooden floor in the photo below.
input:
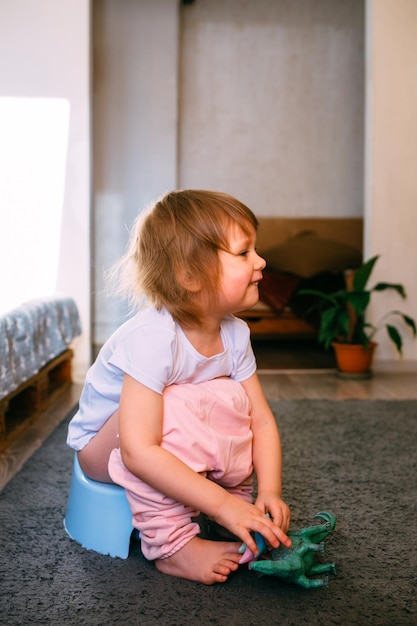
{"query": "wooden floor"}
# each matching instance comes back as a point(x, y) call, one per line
point(391, 381)
point(385, 384)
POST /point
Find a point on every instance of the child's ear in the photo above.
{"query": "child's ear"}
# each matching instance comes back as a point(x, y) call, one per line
point(189, 282)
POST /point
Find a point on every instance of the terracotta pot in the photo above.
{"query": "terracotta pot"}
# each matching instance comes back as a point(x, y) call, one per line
point(354, 360)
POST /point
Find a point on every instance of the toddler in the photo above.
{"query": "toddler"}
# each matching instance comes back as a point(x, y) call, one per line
point(172, 409)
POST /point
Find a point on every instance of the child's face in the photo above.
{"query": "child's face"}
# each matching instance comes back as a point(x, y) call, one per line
point(241, 271)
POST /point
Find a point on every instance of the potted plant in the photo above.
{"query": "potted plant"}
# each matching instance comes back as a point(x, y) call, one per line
point(343, 322)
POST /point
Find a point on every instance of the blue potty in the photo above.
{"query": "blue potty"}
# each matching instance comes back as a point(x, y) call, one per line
point(98, 515)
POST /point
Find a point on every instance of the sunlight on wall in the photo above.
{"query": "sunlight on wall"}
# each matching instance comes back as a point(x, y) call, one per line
point(33, 153)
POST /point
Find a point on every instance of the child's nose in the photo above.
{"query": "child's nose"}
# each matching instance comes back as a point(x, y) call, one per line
point(260, 262)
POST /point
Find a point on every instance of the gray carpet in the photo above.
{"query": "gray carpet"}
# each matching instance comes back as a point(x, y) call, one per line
point(356, 459)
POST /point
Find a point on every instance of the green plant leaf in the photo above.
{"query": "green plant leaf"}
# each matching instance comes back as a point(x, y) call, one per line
point(383, 286)
point(410, 322)
point(362, 275)
point(358, 300)
point(328, 327)
point(361, 337)
point(334, 324)
point(407, 320)
point(395, 337)
point(319, 294)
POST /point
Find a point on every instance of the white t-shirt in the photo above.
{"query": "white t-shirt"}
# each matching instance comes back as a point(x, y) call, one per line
point(152, 348)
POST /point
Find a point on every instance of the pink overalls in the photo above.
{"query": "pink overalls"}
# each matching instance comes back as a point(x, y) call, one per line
point(207, 426)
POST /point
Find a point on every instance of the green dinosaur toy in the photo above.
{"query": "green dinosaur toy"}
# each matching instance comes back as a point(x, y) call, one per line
point(296, 564)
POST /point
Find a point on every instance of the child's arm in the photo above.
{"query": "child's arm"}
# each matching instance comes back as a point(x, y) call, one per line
point(140, 428)
point(267, 458)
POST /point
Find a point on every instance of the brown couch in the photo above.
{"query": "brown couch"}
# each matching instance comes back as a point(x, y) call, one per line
point(300, 253)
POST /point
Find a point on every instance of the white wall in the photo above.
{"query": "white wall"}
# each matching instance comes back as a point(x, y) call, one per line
point(135, 128)
point(44, 54)
point(272, 104)
point(391, 157)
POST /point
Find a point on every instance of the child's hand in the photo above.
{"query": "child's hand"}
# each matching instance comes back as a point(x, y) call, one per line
point(242, 519)
point(277, 509)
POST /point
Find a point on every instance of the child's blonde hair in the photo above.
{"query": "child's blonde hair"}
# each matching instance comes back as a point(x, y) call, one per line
point(175, 244)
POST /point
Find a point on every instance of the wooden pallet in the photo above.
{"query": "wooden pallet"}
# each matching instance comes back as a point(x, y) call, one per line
point(23, 405)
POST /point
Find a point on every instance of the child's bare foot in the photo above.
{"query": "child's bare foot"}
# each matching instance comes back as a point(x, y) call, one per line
point(203, 561)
